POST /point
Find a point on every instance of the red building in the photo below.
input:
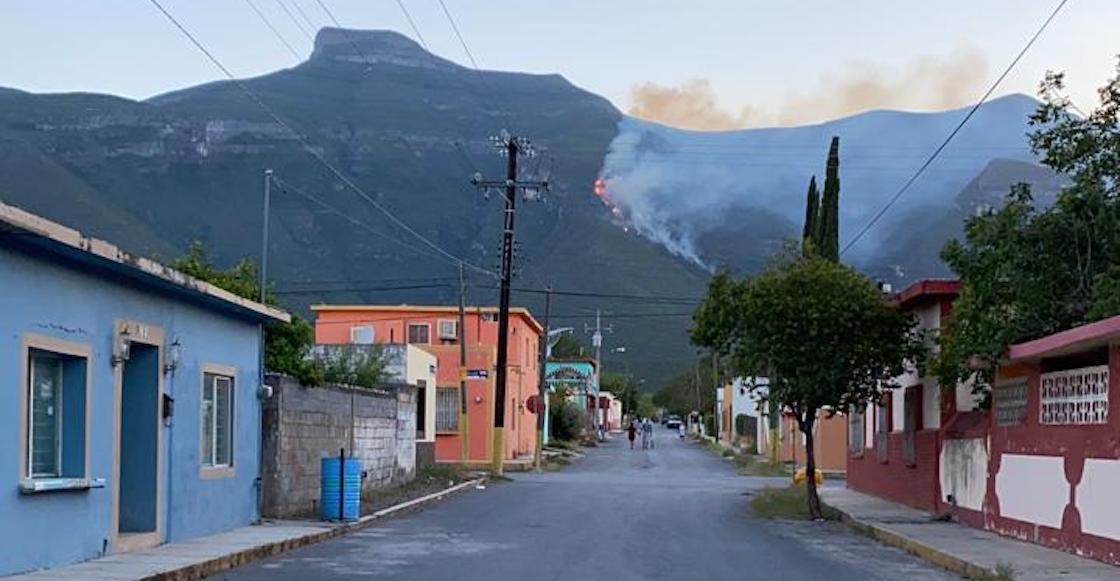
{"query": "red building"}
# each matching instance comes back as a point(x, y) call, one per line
point(894, 447)
point(1042, 465)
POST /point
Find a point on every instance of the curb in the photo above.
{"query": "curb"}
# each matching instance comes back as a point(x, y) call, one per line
point(232, 560)
point(929, 554)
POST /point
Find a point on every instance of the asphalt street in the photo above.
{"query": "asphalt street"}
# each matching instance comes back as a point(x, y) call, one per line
point(673, 513)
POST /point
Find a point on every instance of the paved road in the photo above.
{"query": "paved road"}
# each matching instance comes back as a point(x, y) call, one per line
point(675, 513)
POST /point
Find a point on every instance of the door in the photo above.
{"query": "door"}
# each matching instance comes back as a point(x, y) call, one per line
point(137, 513)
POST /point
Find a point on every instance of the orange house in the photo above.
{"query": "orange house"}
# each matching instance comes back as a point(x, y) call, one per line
point(435, 329)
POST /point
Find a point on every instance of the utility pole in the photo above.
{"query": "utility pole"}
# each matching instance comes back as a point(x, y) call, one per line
point(464, 421)
point(511, 147)
point(264, 232)
point(597, 343)
point(542, 390)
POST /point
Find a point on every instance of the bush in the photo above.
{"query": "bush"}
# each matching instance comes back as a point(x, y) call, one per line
point(356, 365)
point(566, 421)
point(790, 502)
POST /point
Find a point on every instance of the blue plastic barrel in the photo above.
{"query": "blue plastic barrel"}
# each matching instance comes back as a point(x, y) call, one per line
point(351, 479)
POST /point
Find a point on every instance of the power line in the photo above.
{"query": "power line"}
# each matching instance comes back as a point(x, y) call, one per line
point(412, 23)
point(307, 145)
point(311, 25)
point(285, 186)
point(956, 130)
point(295, 21)
point(268, 23)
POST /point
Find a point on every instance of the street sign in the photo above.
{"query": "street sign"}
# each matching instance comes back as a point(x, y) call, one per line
point(477, 374)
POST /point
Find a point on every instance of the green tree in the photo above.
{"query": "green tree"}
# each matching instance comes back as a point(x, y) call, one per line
point(287, 345)
point(824, 337)
point(1029, 272)
point(827, 243)
point(623, 387)
point(812, 215)
point(568, 346)
point(691, 390)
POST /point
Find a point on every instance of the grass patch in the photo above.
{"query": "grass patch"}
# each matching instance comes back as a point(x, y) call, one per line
point(563, 445)
point(790, 502)
point(750, 465)
point(1002, 572)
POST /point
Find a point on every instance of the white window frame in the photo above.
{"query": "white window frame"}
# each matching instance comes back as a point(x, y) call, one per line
point(360, 328)
point(408, 333)
point(61, 349)
point(454, 335)
point(56, 414)
point(456, 412)
point(213, 470)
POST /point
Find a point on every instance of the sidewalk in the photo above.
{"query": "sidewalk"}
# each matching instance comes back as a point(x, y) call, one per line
point(956, 547)
point(197, 558)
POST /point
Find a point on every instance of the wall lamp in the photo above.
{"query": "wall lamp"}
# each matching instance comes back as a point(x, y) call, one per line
point(174, 356)
point(124, 347)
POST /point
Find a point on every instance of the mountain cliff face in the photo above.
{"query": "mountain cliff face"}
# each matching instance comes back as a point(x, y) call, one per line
point(407, 127)
point(410, 128)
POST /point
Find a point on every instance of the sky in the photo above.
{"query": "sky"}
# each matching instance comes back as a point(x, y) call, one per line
point(709, 64)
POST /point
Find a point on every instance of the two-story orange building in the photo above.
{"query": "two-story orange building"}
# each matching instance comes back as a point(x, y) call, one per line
point(435, 329)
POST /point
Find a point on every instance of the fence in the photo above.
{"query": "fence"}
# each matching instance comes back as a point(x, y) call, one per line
point(301, 425)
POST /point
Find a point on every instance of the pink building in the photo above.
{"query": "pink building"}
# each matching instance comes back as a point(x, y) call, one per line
point(435, 329)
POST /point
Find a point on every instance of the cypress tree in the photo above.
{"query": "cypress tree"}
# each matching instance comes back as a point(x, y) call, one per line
point(812, 217)
point(829, 222)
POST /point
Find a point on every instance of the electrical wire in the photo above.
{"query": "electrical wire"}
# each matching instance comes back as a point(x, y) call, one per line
point(275, 32)
point(309, 148)
point(310, 25)
point(412, 23)
point(295, 21)
point(953, 133)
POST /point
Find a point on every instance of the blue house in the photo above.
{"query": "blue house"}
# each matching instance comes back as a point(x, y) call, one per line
point(129, 399)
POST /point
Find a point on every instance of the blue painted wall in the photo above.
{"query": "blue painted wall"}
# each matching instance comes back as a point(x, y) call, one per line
point(41, 297)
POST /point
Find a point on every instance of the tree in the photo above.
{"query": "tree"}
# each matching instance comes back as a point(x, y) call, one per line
point(691, 390)
point(287, 345)
point(827, 242)
point(623, 387)
point(567, 346)
point(824, 336)
point(812, 215)
point(1029, 272)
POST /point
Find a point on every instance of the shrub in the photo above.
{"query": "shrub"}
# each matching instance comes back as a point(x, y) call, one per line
point(566, 421)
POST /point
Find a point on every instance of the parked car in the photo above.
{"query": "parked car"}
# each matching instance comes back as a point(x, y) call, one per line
point(673, 422)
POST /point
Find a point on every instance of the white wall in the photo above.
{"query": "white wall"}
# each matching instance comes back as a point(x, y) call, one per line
point(1096, 498)
point(421, 365)
point(1032, 488)
point(964, 471)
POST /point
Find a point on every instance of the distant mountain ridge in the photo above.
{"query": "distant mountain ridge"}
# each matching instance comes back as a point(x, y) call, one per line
point(410, 128)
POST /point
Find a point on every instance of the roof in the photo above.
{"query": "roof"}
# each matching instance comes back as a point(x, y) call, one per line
point(927, 289)
point(520, 311)
point(570, 360)
point(20, 228)
point(1098, 334)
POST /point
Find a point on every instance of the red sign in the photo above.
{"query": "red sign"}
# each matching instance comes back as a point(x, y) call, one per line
point(534, 404)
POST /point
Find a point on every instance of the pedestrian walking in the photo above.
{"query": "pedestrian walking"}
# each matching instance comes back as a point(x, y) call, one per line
point(631, 432)
point(647, 434)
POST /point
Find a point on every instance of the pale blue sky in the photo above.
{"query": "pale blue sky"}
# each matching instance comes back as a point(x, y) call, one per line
point(753, 53)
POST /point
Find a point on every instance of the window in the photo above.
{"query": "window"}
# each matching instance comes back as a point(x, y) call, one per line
point(911, 421)
point(855, 431)
point(447, 409)
point(448, 329)
point(1009, 401)
point(418, 333)
point(56, 414)
point(361, 335)
point(217, 421)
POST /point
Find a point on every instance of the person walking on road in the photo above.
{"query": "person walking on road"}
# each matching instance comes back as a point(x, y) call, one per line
point(631, 431)
point(647, 434)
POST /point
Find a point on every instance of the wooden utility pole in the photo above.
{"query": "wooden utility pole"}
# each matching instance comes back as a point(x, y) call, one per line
point(542, 389)
point(464, 421)
point(264, 233)
point(512, 147)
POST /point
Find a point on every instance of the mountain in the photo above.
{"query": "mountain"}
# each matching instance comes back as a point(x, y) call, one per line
point(729, 198)
point(409, 129)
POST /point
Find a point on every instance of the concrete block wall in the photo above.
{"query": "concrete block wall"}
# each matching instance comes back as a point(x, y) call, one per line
point(301, 425)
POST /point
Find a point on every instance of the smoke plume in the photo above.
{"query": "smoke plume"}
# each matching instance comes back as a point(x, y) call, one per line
point(925, 83)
